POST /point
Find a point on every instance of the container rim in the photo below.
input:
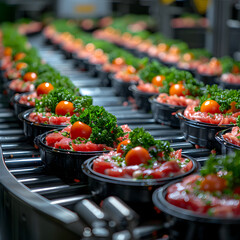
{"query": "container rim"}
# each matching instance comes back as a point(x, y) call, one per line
point(180, 116)
point(219, 137)
point(159, 200)
point(41, 139)
point(23, 116)
point(88, 170)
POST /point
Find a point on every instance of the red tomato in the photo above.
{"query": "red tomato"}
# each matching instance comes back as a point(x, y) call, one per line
point(21, 65)
point(64, 107)
point(235, 69)
point(213, 183)
point(214, 62)
point(44, 88)
point(188, 167)
point(100, 166)
point(7, 51)
point(210, 106)
point(187, 57)
point(174, 50)
point(19, 56)
point(178, 89)
point(119, 147)
point(30, 77)
point(237, 190)
point(80, 129)
point(131, 70)
point(158, 80)
point(118, 61)
point(115, 172)
point(137, 156)
point(166, 169)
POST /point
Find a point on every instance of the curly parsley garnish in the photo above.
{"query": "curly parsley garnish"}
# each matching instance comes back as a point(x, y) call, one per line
point(229, 165)
point(50, 101)
point(223, 97)
point(139, 137)
point(103, 124)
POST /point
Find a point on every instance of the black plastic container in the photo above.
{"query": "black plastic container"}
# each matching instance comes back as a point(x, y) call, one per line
point(31, 129)
point(207, 79)
point(67, 54)
point(165, 113)
point(168, 64)
point(93, 69)
point(192, 71)
point(199, 133)
point(82, 63)
point(64, 163)
point(142, 98)
point(227, 147)
point(193, 36)
point(105, 78)
point(18, 107)
point(186, 225)
point(136, 193)
point(226, 85)
point(121, 87)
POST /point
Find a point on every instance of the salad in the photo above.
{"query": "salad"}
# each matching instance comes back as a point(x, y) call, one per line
point(216, 106)
point(142, 157)
point(94, 130)
point(58, 106)
point(214, 192)
point(234, 136)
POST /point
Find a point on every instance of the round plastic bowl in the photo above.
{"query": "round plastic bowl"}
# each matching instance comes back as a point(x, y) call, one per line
point(31, 129)
point(142, 98)
point(199, 133)
point(206, 79)
point(185, 224)
point(227, 147)
point(165, 113)
point(226, 85)
point(121, 87)
point(64, 163)
point(18, 107)
point(137, 193)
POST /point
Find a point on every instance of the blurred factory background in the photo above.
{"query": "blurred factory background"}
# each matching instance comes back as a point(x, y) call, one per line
point(212, 24)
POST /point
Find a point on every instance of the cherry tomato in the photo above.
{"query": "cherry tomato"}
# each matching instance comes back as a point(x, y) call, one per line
point(237, 190)
point(213, 183)
point(137, 156)
point(90, 47)
point(44, 88)
point(235, 69)
point(98, 52)
point(80, 129)
point(174, 50)
point(19, 56)
point(178, 89)
point(119, 147)
point(64, 107)
point(162, 47)
point(30, 77)
point(131, 70)
point(118, 61)
point(21, 65)
point(187, 57)
point(214, 62)
point(7, 51)
point(158, 80)
point(210, 106)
